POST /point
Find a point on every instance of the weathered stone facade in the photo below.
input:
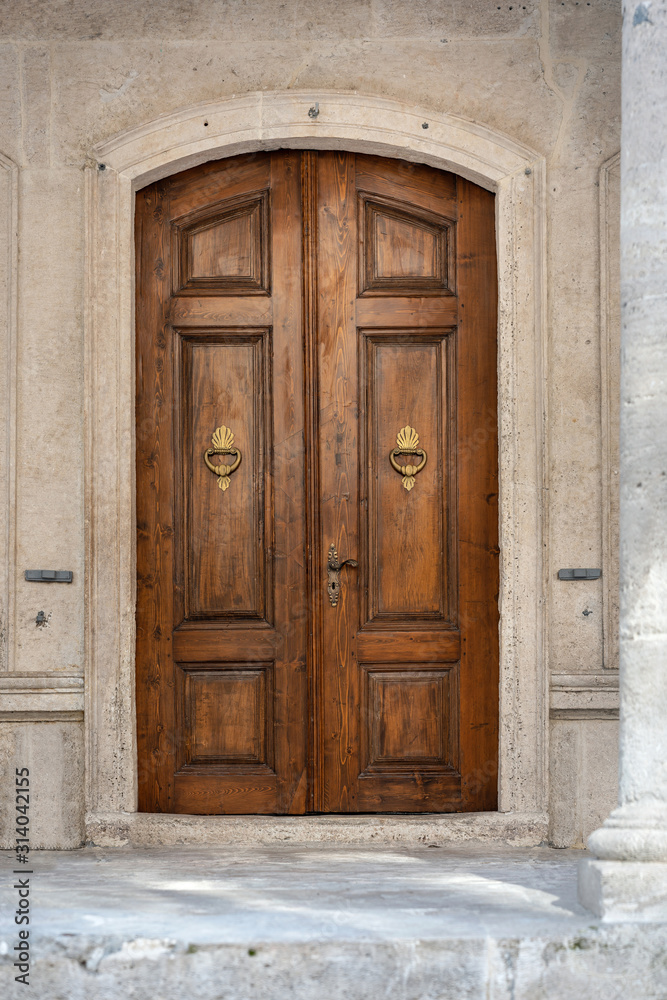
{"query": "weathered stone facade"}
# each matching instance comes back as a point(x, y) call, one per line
point(630, 878)
point(525, 98)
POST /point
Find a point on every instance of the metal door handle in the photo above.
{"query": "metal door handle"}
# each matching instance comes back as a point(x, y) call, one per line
point(333, 574)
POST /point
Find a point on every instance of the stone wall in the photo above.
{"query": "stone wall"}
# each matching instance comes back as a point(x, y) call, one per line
point(74, 75)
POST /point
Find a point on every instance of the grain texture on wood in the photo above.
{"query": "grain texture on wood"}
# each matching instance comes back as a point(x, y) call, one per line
point(323, 326)
point(221, 611)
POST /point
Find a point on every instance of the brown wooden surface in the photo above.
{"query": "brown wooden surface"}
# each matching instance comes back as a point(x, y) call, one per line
point(402, 678)
point(477, 460)
point(316, 303)
point(221, 611)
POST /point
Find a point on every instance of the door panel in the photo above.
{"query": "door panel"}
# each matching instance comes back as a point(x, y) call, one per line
point(402, 251)
point(221, 603)
point(227, 571)
point(403, 373)
point(372, 284)
point(404, 732)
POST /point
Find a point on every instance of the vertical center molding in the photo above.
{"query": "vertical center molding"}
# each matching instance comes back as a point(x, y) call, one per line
point(315, 562)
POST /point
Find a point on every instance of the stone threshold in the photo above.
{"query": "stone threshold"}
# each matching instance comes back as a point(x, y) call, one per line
point(161, 829)
point(334, 921)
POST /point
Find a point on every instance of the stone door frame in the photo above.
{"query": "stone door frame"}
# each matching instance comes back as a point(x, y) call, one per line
point(312, 120)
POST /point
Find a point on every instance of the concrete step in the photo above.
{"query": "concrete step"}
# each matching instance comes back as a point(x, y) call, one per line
point(321, 922)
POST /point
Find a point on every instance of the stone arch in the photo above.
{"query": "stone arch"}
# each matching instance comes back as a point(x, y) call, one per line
point(262, 121)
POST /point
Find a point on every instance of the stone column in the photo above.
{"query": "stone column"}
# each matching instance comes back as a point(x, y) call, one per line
point(629, 879)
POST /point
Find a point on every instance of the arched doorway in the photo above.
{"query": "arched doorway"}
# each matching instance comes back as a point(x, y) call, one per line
point(316, 321)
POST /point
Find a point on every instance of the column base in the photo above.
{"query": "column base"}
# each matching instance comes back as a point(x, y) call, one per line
point(636, 831)
point(624, 890)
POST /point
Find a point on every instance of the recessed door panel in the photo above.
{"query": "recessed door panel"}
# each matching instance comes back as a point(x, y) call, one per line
point(226, 712)
point(404, 379)
point(223, 249)
point(407, 722)
point(225, 378)
point(403, 252)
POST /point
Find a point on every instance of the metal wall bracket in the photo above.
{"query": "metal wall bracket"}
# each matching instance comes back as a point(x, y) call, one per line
point(579, 574)
point(49, 575)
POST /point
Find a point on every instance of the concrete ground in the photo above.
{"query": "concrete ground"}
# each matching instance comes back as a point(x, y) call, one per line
point(324, 922)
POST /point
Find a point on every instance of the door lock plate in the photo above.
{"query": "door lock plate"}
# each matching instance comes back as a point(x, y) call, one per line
point(333, 574)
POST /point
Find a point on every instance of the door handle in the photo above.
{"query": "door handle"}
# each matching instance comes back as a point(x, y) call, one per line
point(333, 574)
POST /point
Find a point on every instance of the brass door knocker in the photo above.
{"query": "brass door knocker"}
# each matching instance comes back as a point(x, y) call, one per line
point(223, 440)
point(407, 440)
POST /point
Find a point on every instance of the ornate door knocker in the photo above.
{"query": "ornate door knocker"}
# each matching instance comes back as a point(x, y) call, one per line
point(223, 441)
point(407, 440)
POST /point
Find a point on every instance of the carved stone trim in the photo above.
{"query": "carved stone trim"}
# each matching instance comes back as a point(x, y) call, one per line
point(8, 356)
point(355, 122)
point(584, 696)
point(139, 829)
point(31, 682)
point(49, 715)
point(25, 693)
point(610, 383)
point(583, 714)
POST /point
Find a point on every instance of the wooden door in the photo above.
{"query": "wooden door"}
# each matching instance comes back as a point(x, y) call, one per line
point(336, 314)
point(406, 327)
point(221, 575)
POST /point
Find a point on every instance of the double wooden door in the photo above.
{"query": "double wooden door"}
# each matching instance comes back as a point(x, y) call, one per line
point(317, 546)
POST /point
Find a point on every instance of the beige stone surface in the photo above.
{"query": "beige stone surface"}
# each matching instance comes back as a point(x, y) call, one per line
point(180, 140)
point(584, 695)
point(267, 19)
point(629, 881)
point(11, 111)
point(53, 751)
point(49, 460)
point(579, 29)
point(455, 20)
point(614, 963)
point(345, 922)
point(36, 102)
point(582, 48)
point(583, 777)
point(75, 73)
point(31, 693)
point(234, 20)
point(622, 891)
point(8, 324)
point(610, 377)
point(122, 84)
point(153, 829)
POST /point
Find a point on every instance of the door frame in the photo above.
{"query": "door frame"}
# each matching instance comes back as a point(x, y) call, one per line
point(262, 121)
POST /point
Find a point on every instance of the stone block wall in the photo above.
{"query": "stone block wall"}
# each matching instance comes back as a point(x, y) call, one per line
point(73, 75)
point(53, 752)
